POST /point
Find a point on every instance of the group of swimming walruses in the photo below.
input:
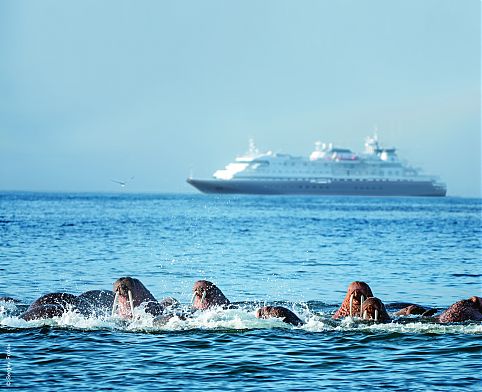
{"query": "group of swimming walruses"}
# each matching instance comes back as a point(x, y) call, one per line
point(129, 293)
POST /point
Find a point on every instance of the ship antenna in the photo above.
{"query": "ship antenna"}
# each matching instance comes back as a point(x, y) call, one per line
point(252, 147)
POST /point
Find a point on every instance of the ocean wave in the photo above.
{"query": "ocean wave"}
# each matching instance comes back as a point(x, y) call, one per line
point(241, 319)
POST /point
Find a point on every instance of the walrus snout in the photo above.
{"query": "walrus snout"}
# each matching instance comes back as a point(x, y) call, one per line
point(359, 292)
point(131, 293)
point(374, 309)
point(356, 294)
point(206, 294)
point(123, 288)
point(199, 292)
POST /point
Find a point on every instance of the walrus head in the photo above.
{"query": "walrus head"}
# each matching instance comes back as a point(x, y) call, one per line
point(477, 301)
point(374, 309)
point(417, 310)
point(129, 294)
point(206, 295)
point(279, 312)
point(357, 293)
point(467, 309)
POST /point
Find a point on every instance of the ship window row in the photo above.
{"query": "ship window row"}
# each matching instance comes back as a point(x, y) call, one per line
point(368, 188)
point(361, 188)
point(307, 179)
point(304, 164)
point(373, 179)
point(314, 187)
point(348, 173)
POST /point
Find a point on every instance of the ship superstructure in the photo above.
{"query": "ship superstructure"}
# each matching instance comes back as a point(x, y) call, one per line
point(328, 170)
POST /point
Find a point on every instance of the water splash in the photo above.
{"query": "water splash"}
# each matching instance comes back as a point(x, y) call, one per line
point(240, 319)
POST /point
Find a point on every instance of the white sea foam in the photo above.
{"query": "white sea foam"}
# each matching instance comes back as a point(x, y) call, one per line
point(234, 319)
point(6, 308)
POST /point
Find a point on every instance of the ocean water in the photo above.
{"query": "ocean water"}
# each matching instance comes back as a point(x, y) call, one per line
point(301, 252)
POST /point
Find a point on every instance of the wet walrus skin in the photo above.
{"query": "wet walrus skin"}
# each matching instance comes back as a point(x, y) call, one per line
point(131, 293)
point(416, 310)
point(95, 302)
point(90, 303)
point(50, 305)
point(279, 312)
point(207, 295)
point(465, 310)
point(357, 292)
point(374, 309)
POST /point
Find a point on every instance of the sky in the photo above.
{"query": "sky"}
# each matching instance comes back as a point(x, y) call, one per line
point(92, 91)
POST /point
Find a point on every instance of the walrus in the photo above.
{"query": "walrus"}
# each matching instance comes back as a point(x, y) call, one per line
point(50, 305)
point(464, 310)
point(206, 295)
point(131, 293)
point(286, 315)
point(95, 302)
point(416, 310)
point(357, 293)
point(374, 309)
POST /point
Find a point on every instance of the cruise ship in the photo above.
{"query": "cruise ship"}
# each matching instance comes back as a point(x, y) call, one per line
point(328, 170)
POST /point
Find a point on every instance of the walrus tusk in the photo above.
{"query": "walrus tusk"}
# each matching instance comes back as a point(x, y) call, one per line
point(376, 314)
point(203, 297)
point(114, 305)
point(351, 305)
point(362, 299)
point(193, 298)
point(365, 315)
point(131, 302)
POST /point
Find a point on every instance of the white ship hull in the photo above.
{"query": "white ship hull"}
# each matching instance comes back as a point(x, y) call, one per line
point(320, 187)
point(327, 171)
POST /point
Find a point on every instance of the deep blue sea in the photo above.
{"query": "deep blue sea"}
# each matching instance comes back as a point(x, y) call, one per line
point(301, 252)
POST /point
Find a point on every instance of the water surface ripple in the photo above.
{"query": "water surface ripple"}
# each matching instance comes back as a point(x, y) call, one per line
point(301, 252)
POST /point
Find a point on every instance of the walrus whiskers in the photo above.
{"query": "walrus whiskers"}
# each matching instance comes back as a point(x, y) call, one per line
point(362, 299)
point(376, 314)
point(131, 302)
point(116, 302)
point(351, 305)
point(203, 297)
point(207, 295)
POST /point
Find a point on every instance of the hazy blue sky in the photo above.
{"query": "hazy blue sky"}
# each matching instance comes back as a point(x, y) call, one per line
point(97, 90)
